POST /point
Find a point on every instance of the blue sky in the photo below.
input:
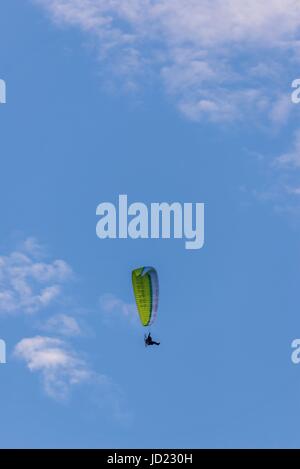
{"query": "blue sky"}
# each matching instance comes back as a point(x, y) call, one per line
point(163, 103)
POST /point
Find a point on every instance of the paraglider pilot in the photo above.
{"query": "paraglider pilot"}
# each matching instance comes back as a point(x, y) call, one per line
point(150, 341)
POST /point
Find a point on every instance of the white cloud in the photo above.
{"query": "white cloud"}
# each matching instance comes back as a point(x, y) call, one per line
point(62, 370)
point(218, 58)
point(62, 324)
point(282, 188)
point(294, 190)
point(281, 109)
point(31, 246)
point(28, 285)
point(291, 159)
point(58, 364)
point(115, 308)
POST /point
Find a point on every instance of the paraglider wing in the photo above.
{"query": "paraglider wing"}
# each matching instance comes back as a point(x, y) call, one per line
point(145, 287)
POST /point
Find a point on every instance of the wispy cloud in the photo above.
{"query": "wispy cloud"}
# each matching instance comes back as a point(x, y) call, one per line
point(114, 308)
point(32, 247)
point(291, 159)
point(280, 185)
point(62, 370)
point(294, 191)
point(28, 285)
point(216, 57)
point(59, 365)
point(62, 324)
point(281, 109)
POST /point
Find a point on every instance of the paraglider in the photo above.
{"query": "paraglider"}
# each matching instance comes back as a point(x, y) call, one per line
point(146, 291)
